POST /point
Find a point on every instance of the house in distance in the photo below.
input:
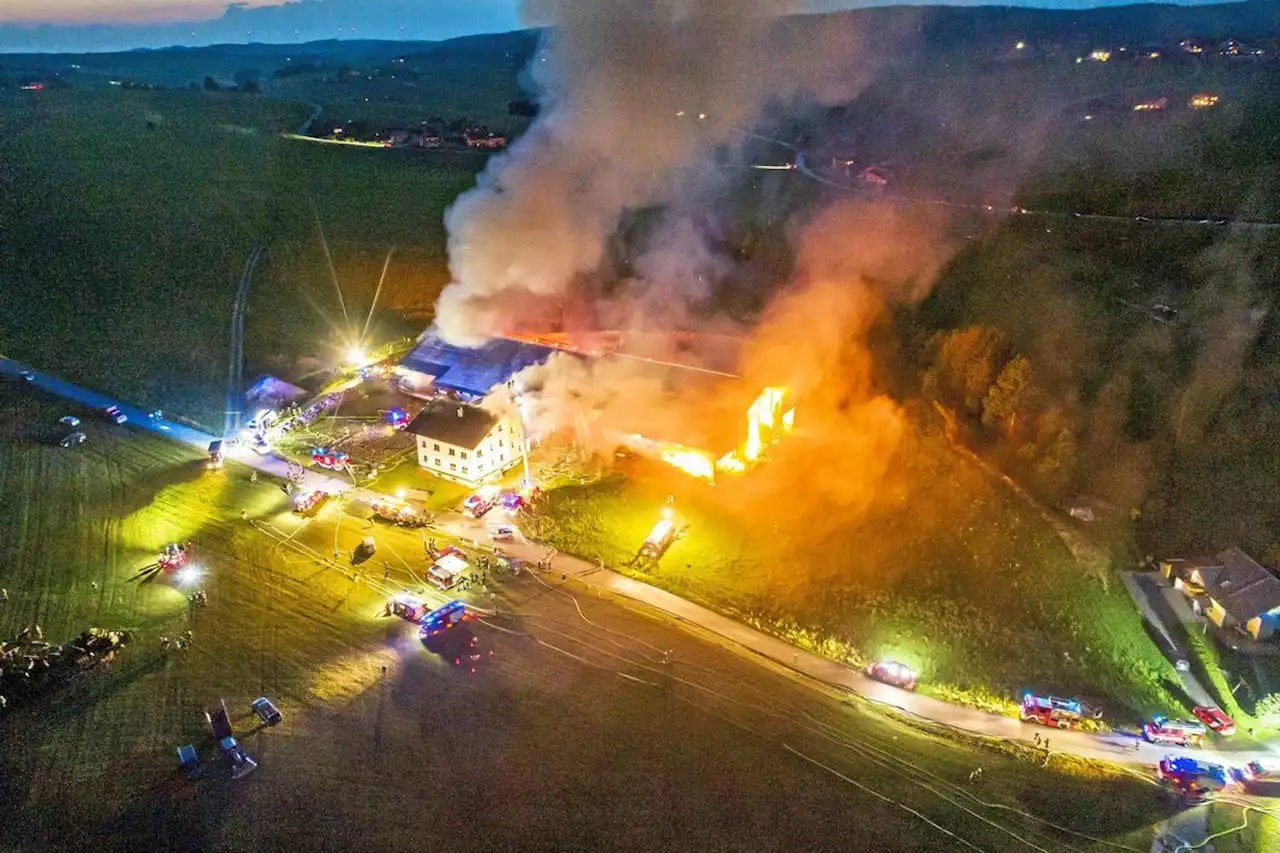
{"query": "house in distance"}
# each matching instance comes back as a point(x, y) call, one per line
point(465, 443)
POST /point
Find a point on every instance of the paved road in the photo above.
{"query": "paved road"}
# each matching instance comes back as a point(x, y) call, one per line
point(167, 427)
point(1115, 747)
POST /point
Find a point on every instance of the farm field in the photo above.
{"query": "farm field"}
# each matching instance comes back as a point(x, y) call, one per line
point(132, 214)
point(704, 749)
point(946, 571)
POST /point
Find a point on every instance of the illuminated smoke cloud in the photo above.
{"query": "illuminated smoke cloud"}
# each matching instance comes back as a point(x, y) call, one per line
point(636, 97)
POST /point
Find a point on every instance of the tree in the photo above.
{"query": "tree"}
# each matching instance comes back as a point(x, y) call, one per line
point(249, 80)
point(965, 365)
point(1008, 396)
point(1055, 471)
point(211, 85)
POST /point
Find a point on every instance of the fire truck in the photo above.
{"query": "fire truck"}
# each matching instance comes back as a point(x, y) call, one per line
point(396, 511)
point(1194, 779)
point(481, 502)
point(444, 617)
point(1178, 732)
point(659, 539)
point(173, 557)
point(334, 460)
point(308, 503)
point(1050, 711)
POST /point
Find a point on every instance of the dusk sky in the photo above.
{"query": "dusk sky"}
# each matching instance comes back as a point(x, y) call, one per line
point(45, 25)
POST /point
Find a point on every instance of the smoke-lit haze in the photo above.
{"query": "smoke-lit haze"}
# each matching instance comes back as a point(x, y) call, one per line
point(636, 98)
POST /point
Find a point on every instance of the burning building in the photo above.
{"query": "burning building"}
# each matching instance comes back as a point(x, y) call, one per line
point(667, 397)
point(435, 365)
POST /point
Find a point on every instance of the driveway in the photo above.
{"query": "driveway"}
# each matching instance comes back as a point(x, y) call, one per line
point(1160, 615)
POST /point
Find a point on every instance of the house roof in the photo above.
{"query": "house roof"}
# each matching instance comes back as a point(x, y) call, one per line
point(459, 424)
point(1243, 588)
point(469, 370)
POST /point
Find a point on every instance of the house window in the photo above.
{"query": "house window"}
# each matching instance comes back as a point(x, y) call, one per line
point(436, 448)
point(502, 458)
point(438, 465)
point(451, 453)
point(500, 444)
point(453, 466)
point(479, 454)
point(464, 470)
point(464, 454)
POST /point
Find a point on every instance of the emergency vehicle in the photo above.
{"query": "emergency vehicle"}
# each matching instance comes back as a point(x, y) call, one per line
point(659, 539)
point(174, 557)
point(1193, 778)
point(443, 618)
point(334, 460)
point(1178, 732)
point(1216, 719)
point(1050, 711)
point(396, 511)
point(447, 571)
point(407, 607)
point(892, 672)
point(307, 503)
point(478, 504)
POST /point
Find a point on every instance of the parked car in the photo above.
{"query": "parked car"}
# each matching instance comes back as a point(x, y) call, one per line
point(69, 420)
point(1215, 719)
point(72, 440)
point(502, 533)
point(114, 414)
point(266, 710)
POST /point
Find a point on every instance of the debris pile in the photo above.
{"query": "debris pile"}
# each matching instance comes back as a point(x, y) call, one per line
point(28, 664)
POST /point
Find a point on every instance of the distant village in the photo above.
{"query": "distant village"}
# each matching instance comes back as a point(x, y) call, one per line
point(428, 134)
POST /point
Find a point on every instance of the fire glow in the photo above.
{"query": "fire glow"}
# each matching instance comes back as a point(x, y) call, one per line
point(767, 423)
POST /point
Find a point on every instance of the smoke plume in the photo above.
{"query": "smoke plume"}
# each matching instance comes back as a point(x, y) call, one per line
point(636, 99)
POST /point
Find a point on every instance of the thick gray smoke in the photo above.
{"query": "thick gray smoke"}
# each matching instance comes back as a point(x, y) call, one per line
point(636, 97)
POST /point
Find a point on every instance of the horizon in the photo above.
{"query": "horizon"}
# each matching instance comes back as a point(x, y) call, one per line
point(80, 26)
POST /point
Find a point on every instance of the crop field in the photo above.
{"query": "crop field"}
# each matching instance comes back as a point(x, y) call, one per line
point(571, 735)
point(967, 584)
point(129, 216)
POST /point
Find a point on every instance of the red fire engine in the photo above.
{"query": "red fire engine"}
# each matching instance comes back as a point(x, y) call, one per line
point(1050, 711)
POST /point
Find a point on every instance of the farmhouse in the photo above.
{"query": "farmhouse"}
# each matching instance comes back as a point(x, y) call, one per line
point(465, 443)
point(1238, 592)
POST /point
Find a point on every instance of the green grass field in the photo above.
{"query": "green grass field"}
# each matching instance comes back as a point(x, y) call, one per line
point(960, 580)
point(544, 746)
point(130, 215)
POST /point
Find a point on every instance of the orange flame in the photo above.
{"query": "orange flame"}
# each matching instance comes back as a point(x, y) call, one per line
point(693, 462)
point(766, 424)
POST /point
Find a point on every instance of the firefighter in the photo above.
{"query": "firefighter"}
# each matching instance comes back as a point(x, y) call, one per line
point(253, 476)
